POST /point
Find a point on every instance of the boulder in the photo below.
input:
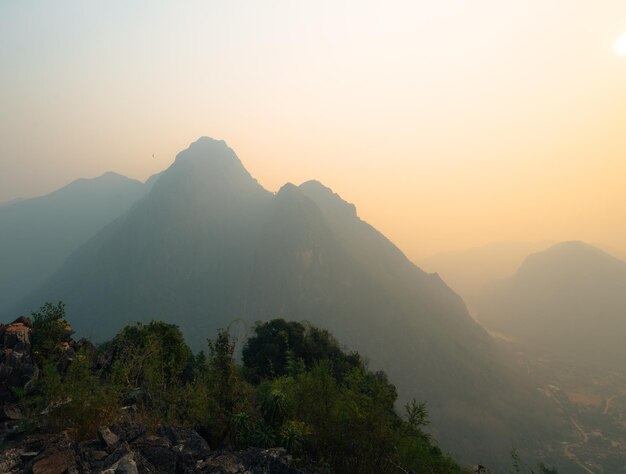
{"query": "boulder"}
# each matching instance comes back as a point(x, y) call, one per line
point(128, 431)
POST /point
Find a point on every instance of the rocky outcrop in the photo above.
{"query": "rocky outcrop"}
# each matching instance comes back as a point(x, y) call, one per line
point(123, 448)
point(129, 449)
point(17, 368)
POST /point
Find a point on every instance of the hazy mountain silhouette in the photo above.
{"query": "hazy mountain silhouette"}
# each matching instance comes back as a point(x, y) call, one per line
point(468, 271)
point(209, 245)
point(570, 298)
point(37, 235)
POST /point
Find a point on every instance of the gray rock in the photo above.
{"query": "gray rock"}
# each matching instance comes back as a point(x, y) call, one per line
point(110, 439)
point(124, 465)
point(186, 441)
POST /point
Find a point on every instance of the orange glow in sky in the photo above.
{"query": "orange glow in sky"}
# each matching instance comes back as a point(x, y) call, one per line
point(449, 124)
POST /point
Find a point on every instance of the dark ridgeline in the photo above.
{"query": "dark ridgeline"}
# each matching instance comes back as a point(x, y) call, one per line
point(208, 245)
point(37, 235)
point(569, 299)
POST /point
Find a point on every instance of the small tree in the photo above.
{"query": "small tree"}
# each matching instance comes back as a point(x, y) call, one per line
point(49, 330)
point(222, 370)
point(228, 393)
point(148, 363)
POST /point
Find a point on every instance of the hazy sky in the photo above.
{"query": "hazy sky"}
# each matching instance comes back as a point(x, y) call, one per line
point(449, 124)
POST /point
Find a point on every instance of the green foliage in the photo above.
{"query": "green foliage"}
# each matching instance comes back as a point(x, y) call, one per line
point(75, 401)
point(281, 347)
point(274, 406)
point(80, 402)
point(307, 395)
point(332, 409)
point(416, 416)
point(292, 436)
point(227, 392)
point(148, 364)
point(264, 436)
point(222, 368)
point(215, 399)
point(152, 356)
point(415, 446)
point(49, 330)
point(240, 429)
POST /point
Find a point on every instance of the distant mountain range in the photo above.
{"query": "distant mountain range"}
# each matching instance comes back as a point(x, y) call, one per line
point(208, 245)
point(37, 235)
point(467, 271)
point(569, 299)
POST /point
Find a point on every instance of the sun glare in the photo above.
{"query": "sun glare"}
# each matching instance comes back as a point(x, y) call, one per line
point(620, 45)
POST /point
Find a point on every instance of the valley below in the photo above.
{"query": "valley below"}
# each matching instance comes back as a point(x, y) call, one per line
point(591, 400)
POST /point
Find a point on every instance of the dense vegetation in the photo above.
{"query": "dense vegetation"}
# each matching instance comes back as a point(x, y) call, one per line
point(296, 388)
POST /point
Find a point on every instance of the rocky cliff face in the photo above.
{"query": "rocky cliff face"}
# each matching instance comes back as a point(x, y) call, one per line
point(18, 368)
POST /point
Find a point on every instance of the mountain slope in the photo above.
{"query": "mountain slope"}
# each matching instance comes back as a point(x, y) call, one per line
point(570, 298)
point(36, 235)
point(209, 245)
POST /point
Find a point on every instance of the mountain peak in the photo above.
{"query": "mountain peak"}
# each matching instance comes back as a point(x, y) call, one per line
point(209, 170)
point(571, 248)
point(315, 184)
point(565, 260)
point(112, 175)
point(205, 141)
point(208, 149)
point(210, 159)
point(108, 177)
point(288, 188)
point(103, 184)
point(327, 200)
point(573, 245)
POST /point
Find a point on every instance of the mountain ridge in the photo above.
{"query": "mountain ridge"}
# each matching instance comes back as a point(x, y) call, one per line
point(208, 245)
point(37, 234)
